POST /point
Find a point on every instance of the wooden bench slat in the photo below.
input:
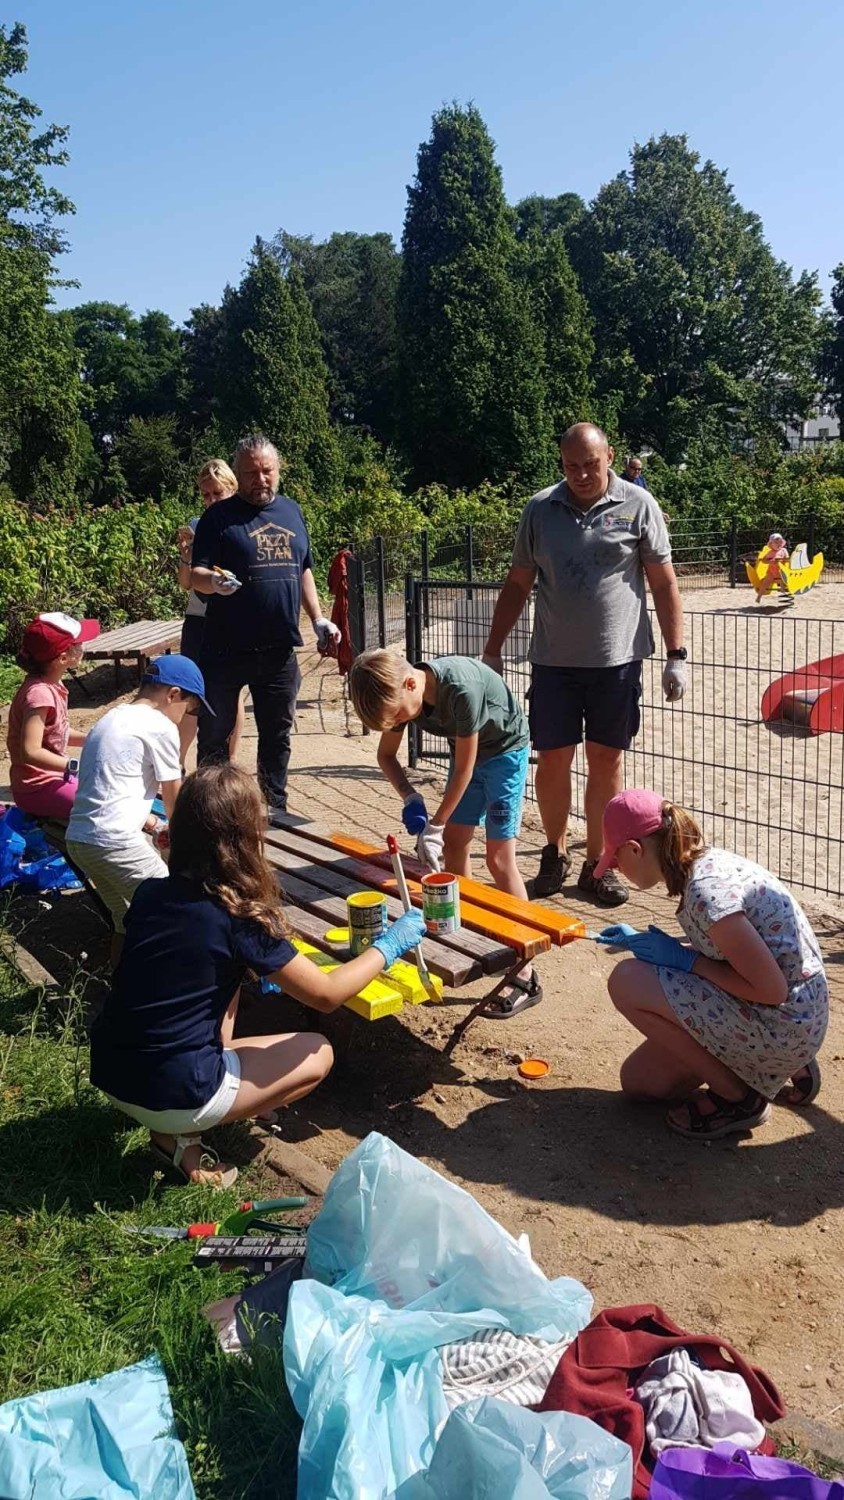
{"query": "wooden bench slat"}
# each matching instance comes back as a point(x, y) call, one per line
point(454, 969)
point(560, 927)
point(527, 941)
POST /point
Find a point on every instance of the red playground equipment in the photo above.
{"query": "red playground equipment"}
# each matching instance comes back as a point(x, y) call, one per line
point(812, 697)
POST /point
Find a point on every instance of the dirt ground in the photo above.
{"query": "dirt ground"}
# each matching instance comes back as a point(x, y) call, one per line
point(743, 1237)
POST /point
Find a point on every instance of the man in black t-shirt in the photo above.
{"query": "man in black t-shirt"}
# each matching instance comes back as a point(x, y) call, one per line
point(252, 558)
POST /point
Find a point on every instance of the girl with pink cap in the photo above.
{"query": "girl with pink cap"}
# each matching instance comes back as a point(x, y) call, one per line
point(743, 1010)
point(43, 775)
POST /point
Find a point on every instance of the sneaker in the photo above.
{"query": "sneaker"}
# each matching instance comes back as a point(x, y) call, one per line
point(608, 891)
point(554, 866)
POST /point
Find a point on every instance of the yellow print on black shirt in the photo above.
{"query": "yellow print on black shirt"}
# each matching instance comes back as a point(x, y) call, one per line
point(272, 545)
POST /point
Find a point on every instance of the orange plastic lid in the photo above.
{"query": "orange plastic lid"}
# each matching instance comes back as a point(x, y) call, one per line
point(534, 1067)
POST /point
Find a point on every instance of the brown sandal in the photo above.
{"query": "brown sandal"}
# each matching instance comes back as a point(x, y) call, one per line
point(727, 1118)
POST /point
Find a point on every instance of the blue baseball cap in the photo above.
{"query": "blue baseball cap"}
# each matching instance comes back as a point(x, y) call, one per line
point(180, 672)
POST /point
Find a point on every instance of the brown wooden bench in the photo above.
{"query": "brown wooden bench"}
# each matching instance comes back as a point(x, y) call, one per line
point(137, 643)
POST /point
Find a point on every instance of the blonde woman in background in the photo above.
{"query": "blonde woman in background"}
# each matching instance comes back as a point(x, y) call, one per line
point(216, 482)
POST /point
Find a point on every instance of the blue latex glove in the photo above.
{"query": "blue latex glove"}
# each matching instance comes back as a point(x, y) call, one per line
point(658, 947)
point(616, 935)
point(404, 934)
point(414, 814)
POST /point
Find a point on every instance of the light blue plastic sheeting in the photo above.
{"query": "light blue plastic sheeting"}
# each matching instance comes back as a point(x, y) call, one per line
point(107, 1439)
point(489, 1447)
point(400, 1261)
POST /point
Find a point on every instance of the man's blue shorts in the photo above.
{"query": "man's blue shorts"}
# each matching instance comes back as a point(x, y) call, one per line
point(602, 701)
point(495, 795)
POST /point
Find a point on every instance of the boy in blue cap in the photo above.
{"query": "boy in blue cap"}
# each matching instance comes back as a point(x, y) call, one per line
point(131, 752)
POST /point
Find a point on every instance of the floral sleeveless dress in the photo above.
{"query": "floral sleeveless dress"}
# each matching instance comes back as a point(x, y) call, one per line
point(763, 1044)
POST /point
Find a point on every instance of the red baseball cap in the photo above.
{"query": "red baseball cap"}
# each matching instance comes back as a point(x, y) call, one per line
point(630, 815)
point(49, 635)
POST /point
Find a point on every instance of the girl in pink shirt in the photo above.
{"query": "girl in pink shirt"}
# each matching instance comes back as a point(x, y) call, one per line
point(42, 780)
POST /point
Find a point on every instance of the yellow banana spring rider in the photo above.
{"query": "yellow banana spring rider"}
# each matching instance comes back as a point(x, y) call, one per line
point(775, 570)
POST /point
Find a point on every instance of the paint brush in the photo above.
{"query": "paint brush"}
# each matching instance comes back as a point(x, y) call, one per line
point(401, 882)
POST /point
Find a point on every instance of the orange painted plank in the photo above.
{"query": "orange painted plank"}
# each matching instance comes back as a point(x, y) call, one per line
point(527, 941)
point(559, 927)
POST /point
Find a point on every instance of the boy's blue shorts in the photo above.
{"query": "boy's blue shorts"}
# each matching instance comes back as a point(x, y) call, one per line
point(495, 795)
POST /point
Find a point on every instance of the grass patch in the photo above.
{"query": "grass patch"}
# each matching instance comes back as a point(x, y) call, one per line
point(79, 1296)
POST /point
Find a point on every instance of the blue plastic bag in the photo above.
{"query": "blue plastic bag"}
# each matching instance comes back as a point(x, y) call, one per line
point(400, 1261)
point(490, 1447)
point(111, 1438)
point(28, 860)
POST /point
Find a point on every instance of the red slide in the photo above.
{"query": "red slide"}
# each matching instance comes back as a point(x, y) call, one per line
point(812, 697)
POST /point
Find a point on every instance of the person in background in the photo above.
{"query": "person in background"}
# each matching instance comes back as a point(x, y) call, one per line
point(743, 1010)
point(129, 753)
point(43, 776)
point(258, 538)
point(632, 472)
point(216, 482)
point(590, 544)
point(163, 1048)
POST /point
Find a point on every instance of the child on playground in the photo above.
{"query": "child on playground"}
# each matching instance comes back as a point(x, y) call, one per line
point(775, 552)
point(216, 481)
point(43, 776)
point(742, 1010)
point(471, 706)
point(130, 752)
point(163, 1048)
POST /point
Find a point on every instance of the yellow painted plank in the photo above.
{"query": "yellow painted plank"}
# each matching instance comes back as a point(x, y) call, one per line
point(406, 978)
point(377, 999)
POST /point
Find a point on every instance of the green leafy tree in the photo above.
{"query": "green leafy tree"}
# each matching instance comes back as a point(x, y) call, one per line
point(201, 341)
point(833, 358)
point(699, 329)
point(39, 387)
point(564, 320)
point(131, 367)
point(272, 375)
point(352, 281)
point(472, 393)
point(149, 457)
point(538, 215)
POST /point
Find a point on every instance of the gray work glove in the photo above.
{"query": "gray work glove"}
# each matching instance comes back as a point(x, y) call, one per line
point(496, 662)
point(429, 845)
point(674, 680)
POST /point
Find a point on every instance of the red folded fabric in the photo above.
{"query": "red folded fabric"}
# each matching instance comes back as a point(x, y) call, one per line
point(338, 583)
point(608, 1358)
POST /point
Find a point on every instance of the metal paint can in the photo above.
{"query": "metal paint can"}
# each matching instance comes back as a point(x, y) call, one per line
point(367, 919)
point(441, 903)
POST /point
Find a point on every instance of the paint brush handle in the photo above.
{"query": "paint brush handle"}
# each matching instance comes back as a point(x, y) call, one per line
point(401, 882)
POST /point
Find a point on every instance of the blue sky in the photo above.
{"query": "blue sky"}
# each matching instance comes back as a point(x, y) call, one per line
point(197, 124)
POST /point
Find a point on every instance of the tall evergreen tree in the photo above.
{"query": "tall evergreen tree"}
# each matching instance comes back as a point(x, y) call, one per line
point(352, 281)
point(565, 322)
point(699, 329)
point(39, 385)
point(472, 393)
point(834, 345)
point(272, 375)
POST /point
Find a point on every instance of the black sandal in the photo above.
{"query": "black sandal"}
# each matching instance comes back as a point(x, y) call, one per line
point(727, 1118)
point(524, 993)
point(806, 1088)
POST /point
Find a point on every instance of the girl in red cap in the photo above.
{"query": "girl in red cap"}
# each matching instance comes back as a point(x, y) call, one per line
point(744, 1009)
point(43, 775)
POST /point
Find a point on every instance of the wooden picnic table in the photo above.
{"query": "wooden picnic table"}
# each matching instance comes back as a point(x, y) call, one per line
point(317, 870)
point(138, 642)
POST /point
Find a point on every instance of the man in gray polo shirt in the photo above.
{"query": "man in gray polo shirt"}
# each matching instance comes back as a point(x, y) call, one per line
point(588, 543)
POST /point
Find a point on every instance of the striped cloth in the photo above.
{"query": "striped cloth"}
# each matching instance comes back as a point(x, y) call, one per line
point(515, 1367)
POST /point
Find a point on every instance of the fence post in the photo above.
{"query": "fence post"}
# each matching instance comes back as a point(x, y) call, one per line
point(426, 607)
point(411, 591)
point(470, 561)
point(810, 536)
point(380, 590)
point(733, 553)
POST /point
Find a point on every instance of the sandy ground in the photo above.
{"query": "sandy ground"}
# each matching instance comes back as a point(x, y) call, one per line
point(743, 1237)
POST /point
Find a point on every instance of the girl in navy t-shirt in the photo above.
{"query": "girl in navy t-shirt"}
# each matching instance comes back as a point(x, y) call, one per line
point(163, 1047)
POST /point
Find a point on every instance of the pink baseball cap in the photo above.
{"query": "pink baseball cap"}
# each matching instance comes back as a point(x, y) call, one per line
point(630, 815)
point(49, 635)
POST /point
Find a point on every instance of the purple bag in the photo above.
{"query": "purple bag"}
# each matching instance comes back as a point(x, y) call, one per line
point(728, 1473)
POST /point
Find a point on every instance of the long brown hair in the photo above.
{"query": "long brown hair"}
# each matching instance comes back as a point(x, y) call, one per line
point(679, 843)
point(216, 839)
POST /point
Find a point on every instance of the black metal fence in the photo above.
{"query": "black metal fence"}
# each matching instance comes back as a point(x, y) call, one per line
point(771, 791)
point(704, 558)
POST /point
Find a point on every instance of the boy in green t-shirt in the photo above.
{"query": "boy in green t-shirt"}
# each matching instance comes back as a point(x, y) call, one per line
point(471, 706)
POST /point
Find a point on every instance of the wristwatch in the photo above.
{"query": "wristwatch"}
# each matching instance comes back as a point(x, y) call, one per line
point(678, 654)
